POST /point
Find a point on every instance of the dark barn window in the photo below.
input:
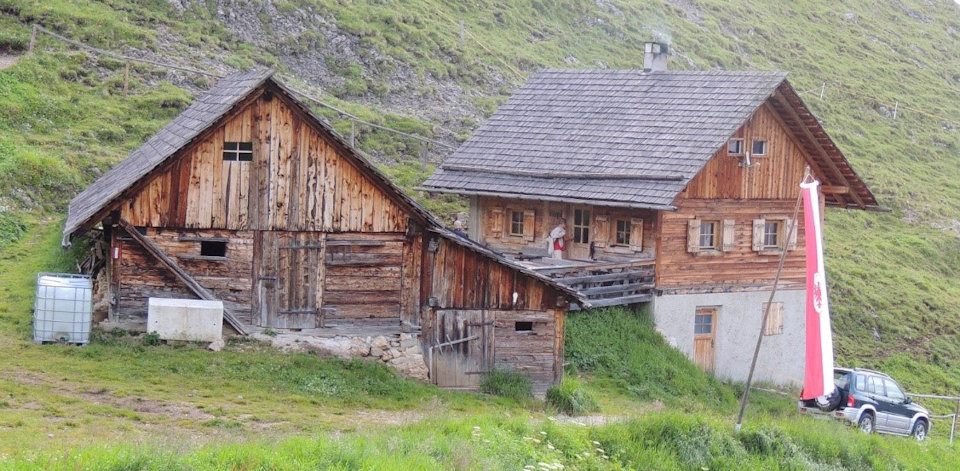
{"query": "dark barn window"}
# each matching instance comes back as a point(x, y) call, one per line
point(238, 151)
point(212, 248)
point(523, 326)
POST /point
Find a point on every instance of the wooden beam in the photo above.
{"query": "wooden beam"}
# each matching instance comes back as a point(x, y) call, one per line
point(836, 189)
point(177, 271)
point(788, 107)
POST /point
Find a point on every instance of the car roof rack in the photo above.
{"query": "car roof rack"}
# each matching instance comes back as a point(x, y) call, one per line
point(867, 370)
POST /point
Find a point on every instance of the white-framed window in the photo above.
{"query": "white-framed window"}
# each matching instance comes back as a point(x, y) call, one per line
point(759, 147)
point(735, 146)
point(516, 223)
point(711, 236)
point(773, 234)
point(623, 232)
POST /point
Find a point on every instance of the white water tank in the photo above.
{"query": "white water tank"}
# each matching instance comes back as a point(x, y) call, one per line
point(63, 309)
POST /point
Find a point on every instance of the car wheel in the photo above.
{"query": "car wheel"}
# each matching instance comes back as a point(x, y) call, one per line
point(920, 430)
point(829, 402)
point(866, 422)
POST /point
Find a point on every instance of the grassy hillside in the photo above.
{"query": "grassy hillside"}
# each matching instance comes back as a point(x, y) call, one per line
point(64, 117)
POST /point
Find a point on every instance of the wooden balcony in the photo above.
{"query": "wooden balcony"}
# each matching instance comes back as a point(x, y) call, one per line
point(603, 283)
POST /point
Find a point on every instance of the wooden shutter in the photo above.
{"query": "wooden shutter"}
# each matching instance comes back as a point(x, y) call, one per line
point(496, 222)
point(636, 234)
point(693, 236)
point(601, 233)
point(758, 227)
point(791, 234)
point(729, 237)
point(529, 222)
point(774, 324)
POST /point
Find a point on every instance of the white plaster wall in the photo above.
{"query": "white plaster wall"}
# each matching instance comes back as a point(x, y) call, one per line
point(185, 319)
point(738, 322)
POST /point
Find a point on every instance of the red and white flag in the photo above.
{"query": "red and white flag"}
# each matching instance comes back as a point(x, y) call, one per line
point(818, 377)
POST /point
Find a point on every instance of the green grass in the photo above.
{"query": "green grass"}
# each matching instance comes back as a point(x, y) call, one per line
point(64, 120)
point(509, 384)
point(622, 348)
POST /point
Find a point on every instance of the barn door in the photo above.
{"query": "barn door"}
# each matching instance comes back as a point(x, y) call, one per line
point(291, 288)
point(463, 348)
point(704, 337)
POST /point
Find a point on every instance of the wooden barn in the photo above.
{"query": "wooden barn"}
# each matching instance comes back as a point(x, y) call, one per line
point(679, 189)
point(249, 198)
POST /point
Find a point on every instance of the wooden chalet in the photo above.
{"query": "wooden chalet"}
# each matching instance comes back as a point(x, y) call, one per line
point(250, 198)
point(678, 188)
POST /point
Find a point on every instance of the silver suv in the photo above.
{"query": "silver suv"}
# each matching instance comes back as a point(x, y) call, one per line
point(872, 401)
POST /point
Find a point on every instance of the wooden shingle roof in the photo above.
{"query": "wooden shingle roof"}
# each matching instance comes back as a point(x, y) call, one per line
point(607, 137)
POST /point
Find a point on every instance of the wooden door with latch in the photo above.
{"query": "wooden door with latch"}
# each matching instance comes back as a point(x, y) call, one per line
point(704, 337)
point(291, 279)
point(463, 349)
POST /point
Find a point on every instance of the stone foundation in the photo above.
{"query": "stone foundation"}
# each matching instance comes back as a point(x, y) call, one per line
point(402, 352)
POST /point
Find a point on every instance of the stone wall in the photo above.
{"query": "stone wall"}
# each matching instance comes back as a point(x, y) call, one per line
point(402, 352)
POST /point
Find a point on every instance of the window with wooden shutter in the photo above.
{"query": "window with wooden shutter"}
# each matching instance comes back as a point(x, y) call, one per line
point(515, 226)
point(759, 225)
point(601, 235)
point(792, 229)
point(774, 323)
point(693, 236)
point(729, 237)
point(636, 234)
point(529, 218)
point(496, 222)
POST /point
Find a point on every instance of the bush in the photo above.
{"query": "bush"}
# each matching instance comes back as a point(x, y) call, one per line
point(151, 339)
point(571, 398)
point(507, 384)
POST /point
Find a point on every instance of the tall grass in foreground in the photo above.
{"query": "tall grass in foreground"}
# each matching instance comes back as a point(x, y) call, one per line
point(657, 441)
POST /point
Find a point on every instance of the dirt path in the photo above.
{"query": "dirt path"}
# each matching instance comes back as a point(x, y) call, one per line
point(8, 61)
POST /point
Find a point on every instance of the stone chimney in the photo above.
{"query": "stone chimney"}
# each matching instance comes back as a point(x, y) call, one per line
point(655, 57)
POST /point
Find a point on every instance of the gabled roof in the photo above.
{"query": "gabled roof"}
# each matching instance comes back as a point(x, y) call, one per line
point(608, 137)
point(206, 111)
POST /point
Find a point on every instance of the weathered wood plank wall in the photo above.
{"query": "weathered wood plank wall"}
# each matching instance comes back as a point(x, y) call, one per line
point(298, 180)
point(775, 175)
point(139, 276)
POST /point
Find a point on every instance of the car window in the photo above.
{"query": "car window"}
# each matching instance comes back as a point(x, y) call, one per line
point(874, 385)
point(841, 379)
point(861, 383)
point(893, 390)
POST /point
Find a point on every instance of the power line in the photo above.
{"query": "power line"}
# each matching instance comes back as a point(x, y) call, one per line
point(341, 111)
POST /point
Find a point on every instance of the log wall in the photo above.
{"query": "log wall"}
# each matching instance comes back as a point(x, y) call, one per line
point(139, 276)
point(739, 266)
point(495, 219)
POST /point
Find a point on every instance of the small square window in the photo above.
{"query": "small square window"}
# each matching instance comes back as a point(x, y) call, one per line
point(759, 147)
point(708, 235)
point(623, 232)
point(523, 326)
point(238, 151)
point(735, 147)
point(516, 223)
point(771, 234)
point(213, 248)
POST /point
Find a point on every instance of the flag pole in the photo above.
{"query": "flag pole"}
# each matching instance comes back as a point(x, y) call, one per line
point(766, 312)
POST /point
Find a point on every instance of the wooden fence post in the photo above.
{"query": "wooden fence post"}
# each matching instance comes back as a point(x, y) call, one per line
point(126, 78)
point(953, 428)
point(33, 39)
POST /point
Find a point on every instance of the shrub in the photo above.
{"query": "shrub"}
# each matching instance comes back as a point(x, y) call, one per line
point(507, 384)
point(151, 339)
point(571, 398)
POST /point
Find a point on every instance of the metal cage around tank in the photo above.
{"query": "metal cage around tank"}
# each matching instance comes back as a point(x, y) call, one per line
point(62, 311)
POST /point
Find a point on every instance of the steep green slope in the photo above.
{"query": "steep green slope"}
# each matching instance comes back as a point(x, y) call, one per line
point(887, 70)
